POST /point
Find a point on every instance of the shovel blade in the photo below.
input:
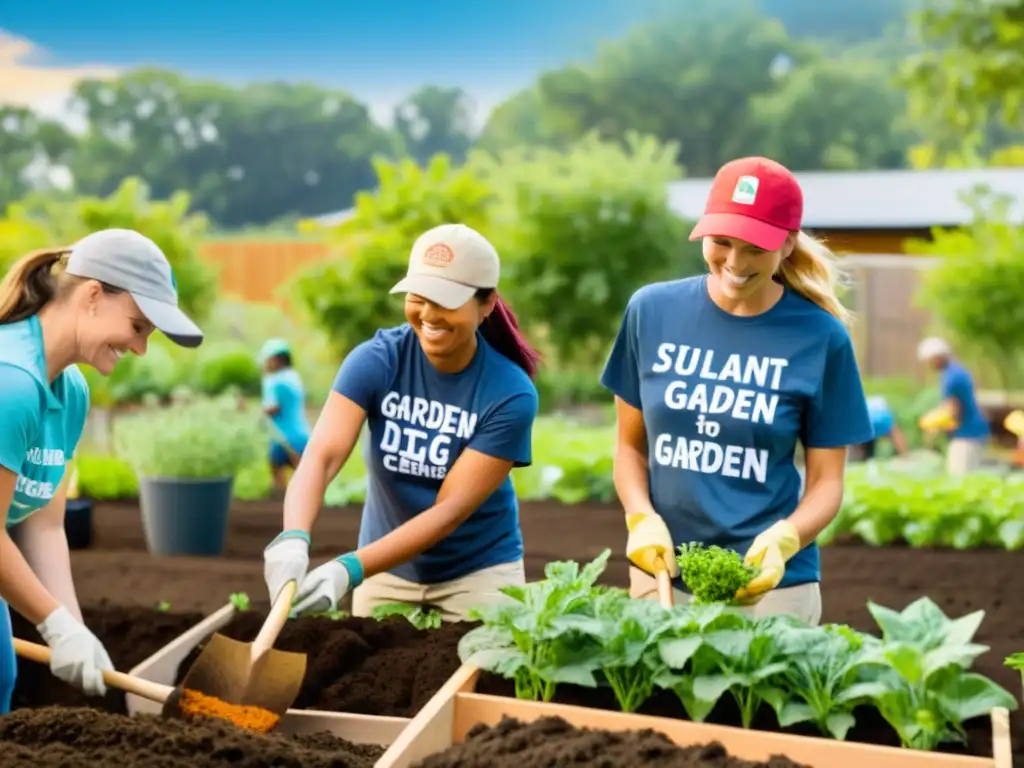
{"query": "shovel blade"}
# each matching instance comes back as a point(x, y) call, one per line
point(225, 670)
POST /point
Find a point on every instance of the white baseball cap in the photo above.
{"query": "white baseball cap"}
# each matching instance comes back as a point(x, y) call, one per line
point(125, 259)
point(933, 347)
point(449, 264)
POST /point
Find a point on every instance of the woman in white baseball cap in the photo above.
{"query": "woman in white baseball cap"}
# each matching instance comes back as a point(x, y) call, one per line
point(89, 303)
point(450, 405)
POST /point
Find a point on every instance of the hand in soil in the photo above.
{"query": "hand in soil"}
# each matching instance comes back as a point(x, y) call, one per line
point(71, 738)
point(551, 742)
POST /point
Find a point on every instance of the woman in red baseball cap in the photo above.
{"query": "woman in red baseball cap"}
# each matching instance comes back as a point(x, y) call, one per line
point(718, 377)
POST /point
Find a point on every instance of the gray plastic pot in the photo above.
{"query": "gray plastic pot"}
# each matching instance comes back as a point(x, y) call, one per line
point(182, 516)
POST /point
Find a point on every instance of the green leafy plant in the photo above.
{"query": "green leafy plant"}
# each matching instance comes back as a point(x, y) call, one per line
point(240, 600)
point(566, 629)
point(200, 439)
point(713, 574)
point(415, 614)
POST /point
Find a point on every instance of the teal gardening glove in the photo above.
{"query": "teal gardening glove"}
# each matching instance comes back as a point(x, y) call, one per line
point(285, 559)
point(327, 584)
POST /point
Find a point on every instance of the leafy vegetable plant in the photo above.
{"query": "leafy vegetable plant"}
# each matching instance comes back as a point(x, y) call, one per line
point(568, 630)
point(713, 574)
point(415, 614)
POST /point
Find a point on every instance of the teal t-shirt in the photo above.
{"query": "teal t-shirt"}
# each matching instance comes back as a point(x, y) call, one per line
point(284, 390)
point(42, 423)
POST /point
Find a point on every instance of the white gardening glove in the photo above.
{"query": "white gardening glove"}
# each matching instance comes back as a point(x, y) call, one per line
point(325, 585)
point(649, 539)
point(285, 559)
point(76, 656)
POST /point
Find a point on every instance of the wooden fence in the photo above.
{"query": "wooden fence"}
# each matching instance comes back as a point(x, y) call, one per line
point(256, 271)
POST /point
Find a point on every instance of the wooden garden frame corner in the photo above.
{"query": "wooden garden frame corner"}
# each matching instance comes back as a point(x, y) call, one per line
point(455, 709)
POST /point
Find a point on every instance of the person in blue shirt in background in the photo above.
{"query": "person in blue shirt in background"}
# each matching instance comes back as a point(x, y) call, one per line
point(450, 403)
point(89, 304)
point(883, 423)
point(284, 405)
point(969, 431)
point(717, 377)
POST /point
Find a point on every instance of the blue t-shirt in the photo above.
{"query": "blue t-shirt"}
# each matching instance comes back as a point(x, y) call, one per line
point(882, 419)
point(284, 390)
point(420, 421)
point(956, 382)
point(725, 400)
point(42, 423)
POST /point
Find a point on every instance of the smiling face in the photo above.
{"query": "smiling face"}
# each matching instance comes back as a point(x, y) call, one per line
point(743, 272)
point(111, 325)
point(447, 336)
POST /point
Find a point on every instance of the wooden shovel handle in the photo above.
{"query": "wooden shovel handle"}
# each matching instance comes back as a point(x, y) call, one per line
point(144, 688)
point(665, 596)
point(275, 620)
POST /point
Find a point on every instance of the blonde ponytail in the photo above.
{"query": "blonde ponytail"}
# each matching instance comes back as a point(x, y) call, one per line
point(31, 282)
point(813, 272)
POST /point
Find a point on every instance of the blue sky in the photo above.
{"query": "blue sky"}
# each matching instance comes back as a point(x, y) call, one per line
point(379, 51)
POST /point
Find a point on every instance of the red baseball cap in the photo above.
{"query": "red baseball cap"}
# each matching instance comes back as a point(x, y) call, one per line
point(753, 199)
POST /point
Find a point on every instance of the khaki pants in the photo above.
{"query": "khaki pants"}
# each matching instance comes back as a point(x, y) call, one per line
point(452, 598)
point(964, 455)
point(802, 601)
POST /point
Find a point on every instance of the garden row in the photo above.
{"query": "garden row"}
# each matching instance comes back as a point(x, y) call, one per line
point(654, 686)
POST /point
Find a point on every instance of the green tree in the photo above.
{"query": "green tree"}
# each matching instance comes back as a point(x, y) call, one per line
point(977, 288)
point(967, 81)
point(435, 120)
point(245, 155)
point(30, 147)
point(347, 296)
point(581, 230)
point(832, 114)
point(40, 221)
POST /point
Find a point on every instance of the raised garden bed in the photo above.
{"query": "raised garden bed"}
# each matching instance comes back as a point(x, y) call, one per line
point(57, 737)
point(130, 635)
point(364, 666)
point(552, 740)
point(460, 727)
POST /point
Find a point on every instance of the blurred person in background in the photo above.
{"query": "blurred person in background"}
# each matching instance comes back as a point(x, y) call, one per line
point(88, 304)
point(958, 415)
point(450, 403)
point(883, 423)
point(284, 405)
point(717, 377)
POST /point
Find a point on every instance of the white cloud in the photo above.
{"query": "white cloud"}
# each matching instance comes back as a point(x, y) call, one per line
point(27, 81)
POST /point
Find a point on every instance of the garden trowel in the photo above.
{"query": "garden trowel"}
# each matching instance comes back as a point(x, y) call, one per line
point(665, 596)
point(251, 674)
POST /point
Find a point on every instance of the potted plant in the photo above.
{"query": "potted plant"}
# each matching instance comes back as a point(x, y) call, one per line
point(77, 513)
point(186, 457)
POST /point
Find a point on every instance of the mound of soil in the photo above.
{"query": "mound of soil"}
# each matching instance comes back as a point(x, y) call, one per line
point(360, 665)
point(69, 738)
point(130, 635)
point(551, 741)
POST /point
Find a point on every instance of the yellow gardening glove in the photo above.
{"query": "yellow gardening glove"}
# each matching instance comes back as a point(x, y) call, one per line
point(938, 419)
point(649, 540)
point(1014, 423)
point(770, 551)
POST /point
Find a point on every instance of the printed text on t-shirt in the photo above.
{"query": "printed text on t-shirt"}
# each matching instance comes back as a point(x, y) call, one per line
point(418, 434)
point(714, 389)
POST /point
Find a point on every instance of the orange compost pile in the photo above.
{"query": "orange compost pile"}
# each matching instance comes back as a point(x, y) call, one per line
point(247, 717)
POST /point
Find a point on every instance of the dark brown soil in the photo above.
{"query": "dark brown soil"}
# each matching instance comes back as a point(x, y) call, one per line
point(73, 738)
point(363, 666)
point(130, 636)
point(120, 570)
point(552, 742)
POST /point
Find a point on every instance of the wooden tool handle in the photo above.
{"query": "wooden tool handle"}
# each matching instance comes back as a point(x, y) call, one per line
point(144, 688)
point(275, 620)
point(665, 596)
